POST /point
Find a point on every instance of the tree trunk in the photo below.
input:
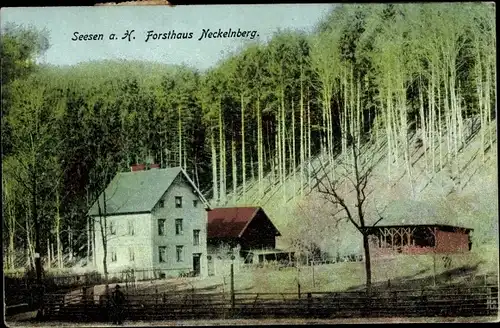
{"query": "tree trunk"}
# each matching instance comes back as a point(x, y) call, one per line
point(368, 266)
point(423, 127)
point(283, 140)
point(88, 240)
point(30, 258)
point(179, 127)
point(184, 152)
point(293, 154)
point(302, 141)
point(215, 191)
point(94, 260)
point(260, 144)
point(11, 220)
point(309, 155)
point(222, 150)
point(49, 260)
point(235, 170)
point(70, 243)
point(104, 234)
point(243, 159)
point(12, 251)
point(58, 233)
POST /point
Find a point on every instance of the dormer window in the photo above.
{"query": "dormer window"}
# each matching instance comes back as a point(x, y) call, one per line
point(178, 202)
point(161, 203)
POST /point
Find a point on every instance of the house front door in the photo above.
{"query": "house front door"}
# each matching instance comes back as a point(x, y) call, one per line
point(196, 264)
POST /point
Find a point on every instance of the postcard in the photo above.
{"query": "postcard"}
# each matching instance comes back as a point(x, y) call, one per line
point(249, 164)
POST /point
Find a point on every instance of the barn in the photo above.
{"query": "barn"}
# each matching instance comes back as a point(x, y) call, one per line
point(418, 238)
point(247, 232)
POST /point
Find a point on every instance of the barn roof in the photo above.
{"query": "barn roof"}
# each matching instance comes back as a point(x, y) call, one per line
point(139, 191)
point(413, 213)
point(231, 221)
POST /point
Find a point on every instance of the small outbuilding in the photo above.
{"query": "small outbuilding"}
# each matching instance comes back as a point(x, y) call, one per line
point(243, 232)
point(419, 238)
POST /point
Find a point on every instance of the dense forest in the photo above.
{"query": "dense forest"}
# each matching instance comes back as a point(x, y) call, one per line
point(377, 72)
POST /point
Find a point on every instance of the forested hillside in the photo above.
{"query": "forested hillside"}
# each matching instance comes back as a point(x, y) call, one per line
point(412, 83)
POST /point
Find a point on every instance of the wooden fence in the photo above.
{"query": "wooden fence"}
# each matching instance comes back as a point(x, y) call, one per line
point(463, 302)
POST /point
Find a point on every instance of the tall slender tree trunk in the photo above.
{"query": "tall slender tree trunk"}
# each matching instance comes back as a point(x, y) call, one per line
point(30, 258)
point(235, 170)
point(215, 191)
point(94, 258)
point(222, 150)
point(70, 243)
point(278, 146)
point(423, 127)
point(283, 140)
point(309, 155)
point(11, 224)
point(487, 101)
point(260, 142)
point(302, 141)
point(179, 127)
point(293, 154)
point(388, 132)
point(440, 128)
point(243, 159)
point(49, 260)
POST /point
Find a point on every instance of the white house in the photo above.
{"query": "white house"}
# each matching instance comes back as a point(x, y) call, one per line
point(155, 222)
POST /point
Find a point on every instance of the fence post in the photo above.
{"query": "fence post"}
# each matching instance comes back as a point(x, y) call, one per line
point(85, 301)
point(309, 301)
point(314, 283)
point(192, 302)
point(232, 291)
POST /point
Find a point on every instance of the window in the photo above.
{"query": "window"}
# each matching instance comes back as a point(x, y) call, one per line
point(178, 226)
point(178, 202)
point(112, 228)
point(196, 237)
point(161, 203)
point(161, 227)
point(180, 256)
point(113, 256)
point(131, 230)
point(195, 203)
point(162, 253)
point(131, 255)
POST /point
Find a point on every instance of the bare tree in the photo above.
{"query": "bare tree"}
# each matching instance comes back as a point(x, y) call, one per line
point(101, 176)
point(352, 174)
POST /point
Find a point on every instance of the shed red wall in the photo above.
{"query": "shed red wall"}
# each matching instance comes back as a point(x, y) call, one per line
point(451, 242)
point(412, 250)
point(446, 242)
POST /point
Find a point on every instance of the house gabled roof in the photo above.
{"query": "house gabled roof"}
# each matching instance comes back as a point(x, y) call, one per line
point(139, 191)
point(231, 222)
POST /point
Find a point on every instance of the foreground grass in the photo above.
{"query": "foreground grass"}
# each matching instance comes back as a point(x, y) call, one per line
point(402, 272)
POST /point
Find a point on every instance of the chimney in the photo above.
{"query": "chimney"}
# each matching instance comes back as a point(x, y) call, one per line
point(154, 166)
point(137, 167)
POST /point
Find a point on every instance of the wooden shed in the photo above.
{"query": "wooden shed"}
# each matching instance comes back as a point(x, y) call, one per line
point(419, 239)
